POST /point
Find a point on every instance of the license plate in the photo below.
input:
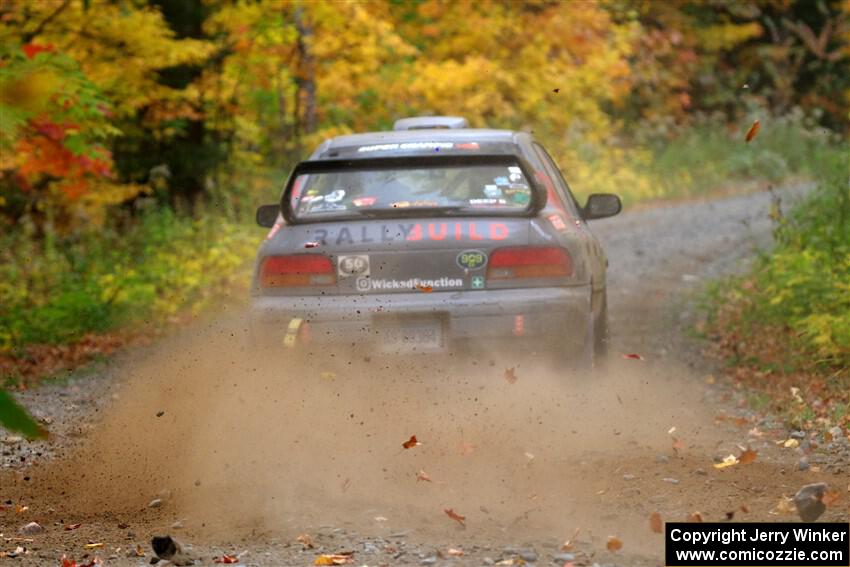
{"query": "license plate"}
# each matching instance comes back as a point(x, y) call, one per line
point(410, 336)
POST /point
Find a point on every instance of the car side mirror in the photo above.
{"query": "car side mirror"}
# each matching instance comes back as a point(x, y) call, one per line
point(267, 215)
point(602, 205)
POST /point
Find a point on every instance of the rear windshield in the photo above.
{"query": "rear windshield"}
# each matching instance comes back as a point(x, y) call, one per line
point(466, 189)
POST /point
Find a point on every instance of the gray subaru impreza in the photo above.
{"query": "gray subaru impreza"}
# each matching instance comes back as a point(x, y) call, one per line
point(430, 238)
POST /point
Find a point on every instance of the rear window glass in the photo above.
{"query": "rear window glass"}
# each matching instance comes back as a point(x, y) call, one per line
point(463, 188)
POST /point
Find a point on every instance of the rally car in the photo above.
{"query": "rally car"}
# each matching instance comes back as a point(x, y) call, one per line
point(429, 238)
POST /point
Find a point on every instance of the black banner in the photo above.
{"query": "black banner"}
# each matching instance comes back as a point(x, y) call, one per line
point(758, 544)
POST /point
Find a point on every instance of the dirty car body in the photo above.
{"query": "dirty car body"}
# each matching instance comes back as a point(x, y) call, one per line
point(430, 238)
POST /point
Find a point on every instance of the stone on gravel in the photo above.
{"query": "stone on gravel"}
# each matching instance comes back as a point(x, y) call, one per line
point(803, 464)
point(798, 435)
point(563, 557)
point(155, 503)
point(430, 560)
point(169, 549)
point(662, 459)
point(671, 480)
point(32, 528)
point(528, 555)
point(629, 477)
point(13, 439)
point(808, 501)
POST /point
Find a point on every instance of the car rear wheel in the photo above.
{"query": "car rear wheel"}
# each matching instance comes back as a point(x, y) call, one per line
point(591, 356)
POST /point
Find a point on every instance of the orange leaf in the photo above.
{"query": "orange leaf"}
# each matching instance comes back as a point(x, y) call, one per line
point(614, 544)
point(633, 356)
point(695, 517)
point(422, 475)
point(410, 443)
point(656, 524)
point(333, 559)
point(754, 129)
point(228, 559)
point(466, 448)
point(510, 375)
point(455, 516)
point(424, 288)
point(747, 457)
point(831, 497)
point(677, 445)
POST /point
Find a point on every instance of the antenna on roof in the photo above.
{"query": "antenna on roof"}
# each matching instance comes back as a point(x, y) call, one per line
point(430, 122)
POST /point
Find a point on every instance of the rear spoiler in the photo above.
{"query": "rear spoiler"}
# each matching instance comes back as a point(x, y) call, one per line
point(538, 193)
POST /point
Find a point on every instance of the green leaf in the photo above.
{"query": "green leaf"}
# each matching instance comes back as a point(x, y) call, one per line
point(15, 418)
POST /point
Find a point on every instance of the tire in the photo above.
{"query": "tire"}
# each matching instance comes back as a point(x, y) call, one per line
point(592, 356)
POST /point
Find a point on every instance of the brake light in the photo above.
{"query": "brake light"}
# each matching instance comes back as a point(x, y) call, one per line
point(298, 270)
point(530, 262)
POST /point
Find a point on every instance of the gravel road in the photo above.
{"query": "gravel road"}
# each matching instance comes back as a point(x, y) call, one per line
point(193, 438)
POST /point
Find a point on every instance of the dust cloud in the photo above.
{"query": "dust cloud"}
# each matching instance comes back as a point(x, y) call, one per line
point(236, 442)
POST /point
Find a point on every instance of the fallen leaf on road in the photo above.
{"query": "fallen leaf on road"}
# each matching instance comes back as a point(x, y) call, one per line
point(671, 431)
point(678, 445)
point(455, 516)
point(747, 457)
point(830, 497)
point(754, 129)
point(633, 356)
point(227, 559)
point(410, 443)
point(568, 545)
point(730, 515)
point(72, 563)
point(306, 541)
point(614, 543)
point(328, 375)
point(466, 448)
point(791, 444)
point(69, 527)
point(422, 475)
point(510, 375)
point(21, 509)
point(745, 509)
point(334, 559)
point(93, 545)
point(656, 524)
point(424, 288)
point(140, 551)
point(785, 506)
point(380, 518)
point(727, 462)
point(452, 552)
point(696, 517)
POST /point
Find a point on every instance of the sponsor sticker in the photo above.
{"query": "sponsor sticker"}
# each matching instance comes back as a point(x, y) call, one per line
point(356, 265)
point(366, 283)
point(472, 259)
point(407, 146)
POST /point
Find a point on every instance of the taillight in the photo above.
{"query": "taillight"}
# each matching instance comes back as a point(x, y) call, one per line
point(529, 262)
point(299, 270)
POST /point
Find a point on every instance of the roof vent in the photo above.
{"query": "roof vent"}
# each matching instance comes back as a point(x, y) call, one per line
point(430, 122)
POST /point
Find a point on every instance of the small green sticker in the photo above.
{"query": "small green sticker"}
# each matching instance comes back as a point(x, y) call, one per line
point(477, 282)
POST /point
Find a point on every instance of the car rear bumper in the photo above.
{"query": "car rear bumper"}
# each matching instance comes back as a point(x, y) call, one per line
point(559, 315)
